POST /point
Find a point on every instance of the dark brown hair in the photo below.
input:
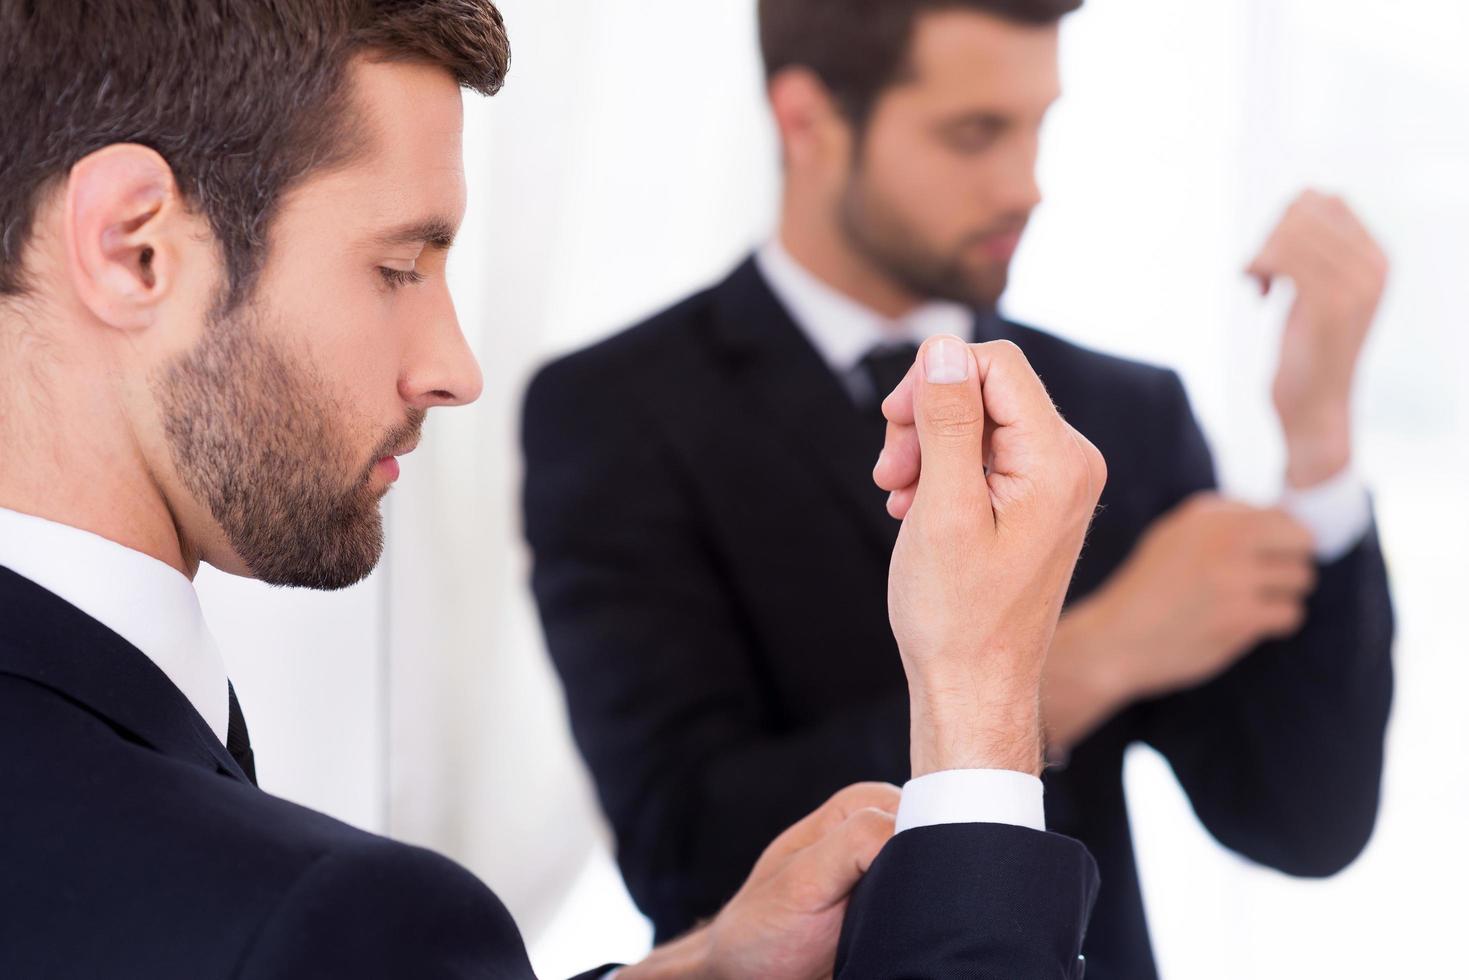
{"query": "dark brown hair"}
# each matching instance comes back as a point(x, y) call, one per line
point(858, 48)
point(243, 98)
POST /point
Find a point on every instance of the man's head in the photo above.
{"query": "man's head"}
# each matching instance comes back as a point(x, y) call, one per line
point(223, 229)
point(911, 131)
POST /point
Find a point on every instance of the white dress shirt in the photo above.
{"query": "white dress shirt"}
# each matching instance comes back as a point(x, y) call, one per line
point(149, 604)
point(843, 331)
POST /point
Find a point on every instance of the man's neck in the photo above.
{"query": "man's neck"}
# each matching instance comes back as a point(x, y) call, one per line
point(85, 471)
point(823, 252)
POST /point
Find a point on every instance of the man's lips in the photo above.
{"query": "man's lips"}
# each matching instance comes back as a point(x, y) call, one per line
point(1001, 247)
point(388, 467)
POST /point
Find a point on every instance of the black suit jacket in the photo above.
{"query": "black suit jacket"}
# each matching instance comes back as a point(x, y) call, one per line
point(131, 845)
point(711, 565)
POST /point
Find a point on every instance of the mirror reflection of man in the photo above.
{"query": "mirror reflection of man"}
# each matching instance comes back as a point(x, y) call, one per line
point(723, 644)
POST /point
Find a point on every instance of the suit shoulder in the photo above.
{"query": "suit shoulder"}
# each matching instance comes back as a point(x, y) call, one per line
point(371, 907)
point(635, 351)
point(607, 392)
point(202, 872)
point(1068, 365)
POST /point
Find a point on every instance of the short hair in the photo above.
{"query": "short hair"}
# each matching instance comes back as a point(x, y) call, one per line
point(859, 48)
point(243, 98)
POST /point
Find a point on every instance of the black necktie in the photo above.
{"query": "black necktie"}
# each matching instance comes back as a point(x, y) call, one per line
point(238, 739)
point(886, 365)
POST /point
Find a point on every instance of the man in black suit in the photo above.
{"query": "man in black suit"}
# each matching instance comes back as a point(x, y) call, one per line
point(723, 641)
point(223, 316)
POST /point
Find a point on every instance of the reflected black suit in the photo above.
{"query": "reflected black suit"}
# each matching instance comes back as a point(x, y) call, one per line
point(711, 563)
point(133, 846)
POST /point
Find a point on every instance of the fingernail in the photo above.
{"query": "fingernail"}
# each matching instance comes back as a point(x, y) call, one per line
point(946, 361)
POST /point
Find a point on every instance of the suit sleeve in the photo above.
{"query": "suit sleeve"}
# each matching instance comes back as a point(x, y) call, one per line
point(379, 909)
point(980, 901)
point(658, 665)
point(1282, 755)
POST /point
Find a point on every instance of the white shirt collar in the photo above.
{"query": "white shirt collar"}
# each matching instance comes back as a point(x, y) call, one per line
point(842, 330)
point(149, 604)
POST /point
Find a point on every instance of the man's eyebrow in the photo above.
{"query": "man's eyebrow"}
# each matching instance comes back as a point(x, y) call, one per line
point(435, 233)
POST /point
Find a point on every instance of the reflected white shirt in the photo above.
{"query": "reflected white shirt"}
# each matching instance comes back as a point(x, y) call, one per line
point(144, 601)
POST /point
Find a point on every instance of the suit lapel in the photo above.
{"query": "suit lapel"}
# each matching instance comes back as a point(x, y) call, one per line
point(52, 643)
point(781, 375)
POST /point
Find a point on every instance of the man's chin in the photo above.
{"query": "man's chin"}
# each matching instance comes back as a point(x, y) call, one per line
point(326, 558)
point(982, 285)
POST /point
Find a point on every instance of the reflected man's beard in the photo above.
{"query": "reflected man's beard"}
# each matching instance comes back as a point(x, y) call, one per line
point(878, 231)
point(259, 440)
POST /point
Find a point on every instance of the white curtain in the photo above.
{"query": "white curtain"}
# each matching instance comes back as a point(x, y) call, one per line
point(629, 162)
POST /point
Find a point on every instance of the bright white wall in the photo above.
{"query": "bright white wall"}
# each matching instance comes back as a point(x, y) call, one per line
point(629, 161)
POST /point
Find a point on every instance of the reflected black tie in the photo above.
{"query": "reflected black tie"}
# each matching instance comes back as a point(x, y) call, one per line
point(886, 366)
point(238, 739)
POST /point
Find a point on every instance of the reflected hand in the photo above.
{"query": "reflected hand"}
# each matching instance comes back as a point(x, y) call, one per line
point(1206, 584)
point(986, 553)
point(1340, 275)
point(785, 922)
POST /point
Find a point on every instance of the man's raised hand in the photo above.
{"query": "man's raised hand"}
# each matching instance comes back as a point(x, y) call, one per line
point(996, 493)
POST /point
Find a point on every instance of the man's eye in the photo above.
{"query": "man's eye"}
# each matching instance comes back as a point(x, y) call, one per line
point(398, 278)
point(971, 141)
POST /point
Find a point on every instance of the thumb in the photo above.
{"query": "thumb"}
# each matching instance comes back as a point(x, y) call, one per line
point(824, 874)
point(948, 409)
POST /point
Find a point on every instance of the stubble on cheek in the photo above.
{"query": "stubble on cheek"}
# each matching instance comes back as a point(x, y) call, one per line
point(256, 436)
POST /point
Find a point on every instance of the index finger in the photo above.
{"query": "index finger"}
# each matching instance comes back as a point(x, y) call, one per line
point(1013, 392)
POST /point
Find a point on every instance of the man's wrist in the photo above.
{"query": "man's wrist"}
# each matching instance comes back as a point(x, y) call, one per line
point(1318, 448)
point(971, 725)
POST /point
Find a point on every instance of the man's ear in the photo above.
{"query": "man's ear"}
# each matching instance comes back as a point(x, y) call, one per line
point(811, 126)
point(124, 239)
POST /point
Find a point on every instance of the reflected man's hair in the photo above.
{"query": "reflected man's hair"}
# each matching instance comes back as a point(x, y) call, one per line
point(858, 48)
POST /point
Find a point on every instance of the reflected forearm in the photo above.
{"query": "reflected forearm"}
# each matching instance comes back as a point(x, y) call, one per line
point(1084, 686)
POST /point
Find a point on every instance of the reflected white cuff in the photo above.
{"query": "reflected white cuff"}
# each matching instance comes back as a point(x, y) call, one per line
point(1337, 512)
point(973, 796)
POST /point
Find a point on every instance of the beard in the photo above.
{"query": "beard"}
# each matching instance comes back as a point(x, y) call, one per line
point(256, 437)
point(877, 229)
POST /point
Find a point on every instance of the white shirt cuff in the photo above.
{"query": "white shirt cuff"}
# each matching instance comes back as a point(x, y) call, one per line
point(973, 796)
point(1338, 513)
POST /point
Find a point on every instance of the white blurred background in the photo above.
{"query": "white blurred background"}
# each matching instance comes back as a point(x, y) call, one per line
point(629, 161)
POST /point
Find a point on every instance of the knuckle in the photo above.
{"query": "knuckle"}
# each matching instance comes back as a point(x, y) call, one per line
point(1004, 350)
point(954, 416)
point(875, 794)
point(858, 795)
point(1095, 462)
point(869, 828)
